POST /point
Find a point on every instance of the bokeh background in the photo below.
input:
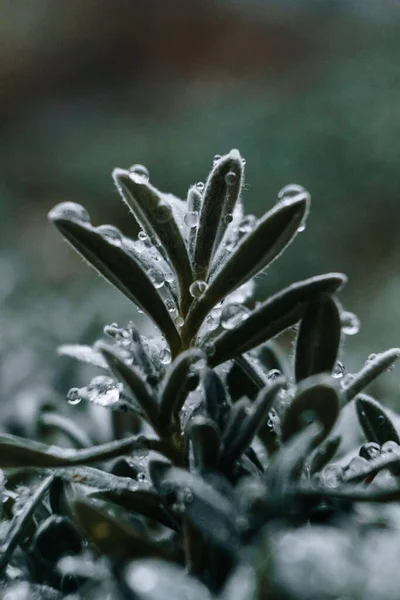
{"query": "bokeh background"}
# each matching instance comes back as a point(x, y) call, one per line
point(308, 90)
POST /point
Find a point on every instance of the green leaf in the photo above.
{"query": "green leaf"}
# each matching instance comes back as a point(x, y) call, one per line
point(206, 442)
point(381, 363)
point(153, 212)
point(119, 268)
point(273, 316)
point(132, 378)
point(317, 399)
point(20, 452)
point(256, 250)
point(318, 338)
point(253, 421)
point(21, 521)
point(218, 201)
point(375, 421)
point(176, 385)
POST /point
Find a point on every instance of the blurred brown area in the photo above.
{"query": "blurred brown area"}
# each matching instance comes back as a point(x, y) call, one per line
point(308, 91)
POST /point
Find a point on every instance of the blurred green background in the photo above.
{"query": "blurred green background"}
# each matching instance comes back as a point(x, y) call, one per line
point(308, 90)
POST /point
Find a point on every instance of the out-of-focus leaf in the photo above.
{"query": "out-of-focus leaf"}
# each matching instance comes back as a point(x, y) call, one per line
point(20, 452)
point(240, 383)
point(21, 521)
point(355, 494)
point(317, 399)
point(134, 381)
point(66, 426)
point(374, 367)
point(324, 453)
point(157, 580)
point(114, 534)
point(83, 353)
point(206, 441)
point(375, 422)
point(152, 210)
point(318, 338)
point(253, 422)
point(237, 416)
point(219, 201)
point(55, 537)
point(273, 316)
point(177, 385)
point(256, 250)
point(119, 268)
point(214, 396)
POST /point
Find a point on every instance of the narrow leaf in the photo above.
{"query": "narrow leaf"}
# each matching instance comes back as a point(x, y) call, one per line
point(220, 197)
point(215, 397)
point(256, 250)
point(176, 386)
point(134, 381)
point(318, 338)
point(381, 363)
point(206, 442)
point(119, 268)
point(375, 421)
point(317, 399)
point(153, 212)
point(83, 353)
point(324, 453)
point(273, 316)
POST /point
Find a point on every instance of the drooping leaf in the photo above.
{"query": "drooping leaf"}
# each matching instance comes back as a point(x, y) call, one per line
point(220, 197)
point(318, 338)
point(374, 367)
point(153, 212)
point(119, 268)
point(176, 385)
point(253, 421)
point(21, 521)
point(273, 316)
point(134, 381)
point(256, 250)
point(375, 421)
point(317, 399)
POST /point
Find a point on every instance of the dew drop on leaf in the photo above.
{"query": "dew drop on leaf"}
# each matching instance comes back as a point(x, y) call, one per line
point(73, 396)
point(157, 277)
point(70, 210)
point(179, 322)
point(140, 171)
point(198, 288)
point(247, 223)
point(170, 305)
point(332, 476)
point(103, 390)
point(142, 235)
point(200, 186)
point(111, 233)
point(389, 447)
point(228, 218)
point(350, 323)
point(216, 158)
point(339, 370)
point(165, 356)
point(191, 218)
point(233, 314)
point(291, 191)
point(273, 374)
point(230, 178)
point(370, 450)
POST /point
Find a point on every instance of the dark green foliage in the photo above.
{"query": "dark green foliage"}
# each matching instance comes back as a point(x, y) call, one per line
point(221, 450)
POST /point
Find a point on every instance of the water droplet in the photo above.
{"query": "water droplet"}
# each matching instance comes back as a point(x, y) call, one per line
point(140, 311)
point(103, 390)
point(247, 223)
point(339, 370)
point(243, 161)
point(191, 218)
point(371, 357)
point(273, 375)
point(142, 579)
point(73, 396)
point(350, 323)
point(332, 476)
point(70, 210)
point(370, 450)
point(112, 234)
point(209, 348)
point(165, 356)
point(169, 277)
point(228, 218)
point(142, 477)
point(389, 447)
point(170, 305)
point(212, 321)
point(113, 330)
point(179, 322)
point(301, 227)
point(198, 288)
point(230, 178)
point(143, 235)
point(291, 191)
point(163, 212)
point(233, 314)
point(200, 186)
point(139, 247)
point(186, 495)
point(157, 277)
point(140, 171)
point(216, 158)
